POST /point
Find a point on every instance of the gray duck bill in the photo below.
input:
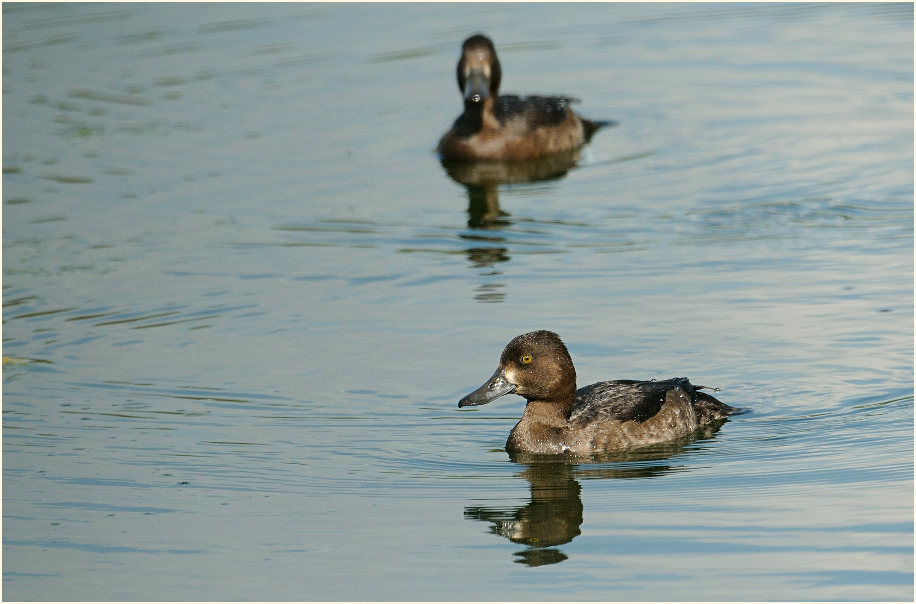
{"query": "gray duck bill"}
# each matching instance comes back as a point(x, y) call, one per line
point(494, 388)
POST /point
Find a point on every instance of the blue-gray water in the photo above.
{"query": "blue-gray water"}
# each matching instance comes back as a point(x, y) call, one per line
point(242, 298)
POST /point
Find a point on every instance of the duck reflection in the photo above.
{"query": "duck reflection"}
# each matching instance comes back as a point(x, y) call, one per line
point(483, 179)
point(553, 516)
point(486, 254)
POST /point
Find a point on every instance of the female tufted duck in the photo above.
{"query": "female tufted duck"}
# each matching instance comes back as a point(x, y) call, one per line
point(607, 416)
point(508, 127)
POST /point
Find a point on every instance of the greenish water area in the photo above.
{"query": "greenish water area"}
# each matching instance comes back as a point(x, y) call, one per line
point(242, 297)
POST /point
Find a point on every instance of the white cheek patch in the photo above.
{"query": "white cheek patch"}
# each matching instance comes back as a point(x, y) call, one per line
point(510, 376)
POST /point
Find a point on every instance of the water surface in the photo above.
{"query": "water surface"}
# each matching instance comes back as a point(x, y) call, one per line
point(242, 298)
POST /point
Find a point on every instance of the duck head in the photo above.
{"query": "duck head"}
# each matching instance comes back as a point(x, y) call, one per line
point(534, 365)
point(478, 71)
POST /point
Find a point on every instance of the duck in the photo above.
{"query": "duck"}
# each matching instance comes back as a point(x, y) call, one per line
point(608, 416)
point(496, 128)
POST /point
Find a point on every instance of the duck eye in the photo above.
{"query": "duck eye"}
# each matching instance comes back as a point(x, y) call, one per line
point(526, 359)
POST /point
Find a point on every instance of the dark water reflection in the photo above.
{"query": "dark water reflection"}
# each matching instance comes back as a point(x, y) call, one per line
point(483, 180)
point(553, 516)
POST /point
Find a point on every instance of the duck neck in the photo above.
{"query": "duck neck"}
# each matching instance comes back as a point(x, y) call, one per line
point(477, 117)
point(542, 429)
point(548, 413)
point(554, 411)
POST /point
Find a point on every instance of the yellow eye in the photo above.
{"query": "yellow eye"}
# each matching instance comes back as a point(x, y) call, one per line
point(526, 359)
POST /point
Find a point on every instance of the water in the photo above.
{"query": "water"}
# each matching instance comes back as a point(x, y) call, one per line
point(242, 298)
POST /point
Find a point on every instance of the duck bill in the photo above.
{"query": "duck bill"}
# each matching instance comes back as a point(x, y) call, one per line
point(494, 388)
point(476, 87)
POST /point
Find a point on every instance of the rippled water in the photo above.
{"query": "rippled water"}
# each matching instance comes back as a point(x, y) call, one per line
point(242, 298)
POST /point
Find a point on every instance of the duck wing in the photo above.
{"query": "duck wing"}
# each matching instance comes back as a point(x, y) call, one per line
point(535, 110)
point(635, 400)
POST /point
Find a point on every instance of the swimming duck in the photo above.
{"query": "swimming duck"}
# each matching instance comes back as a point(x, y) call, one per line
point(508, 127)
point(607, 416)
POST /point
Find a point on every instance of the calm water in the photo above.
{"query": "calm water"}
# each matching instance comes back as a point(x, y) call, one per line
point(242, 298)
